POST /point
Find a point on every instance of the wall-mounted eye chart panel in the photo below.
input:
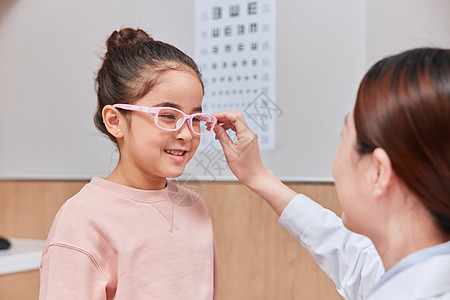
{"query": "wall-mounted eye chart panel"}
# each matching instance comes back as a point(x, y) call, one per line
point(270, 60)
point(235, 48)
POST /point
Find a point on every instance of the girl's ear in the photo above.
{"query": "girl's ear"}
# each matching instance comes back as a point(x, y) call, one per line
point(384, 175)
point(114, 121)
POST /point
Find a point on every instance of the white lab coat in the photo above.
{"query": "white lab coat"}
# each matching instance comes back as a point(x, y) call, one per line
point(353, 263)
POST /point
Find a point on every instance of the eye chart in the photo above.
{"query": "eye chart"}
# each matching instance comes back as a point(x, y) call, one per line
point(235, 50)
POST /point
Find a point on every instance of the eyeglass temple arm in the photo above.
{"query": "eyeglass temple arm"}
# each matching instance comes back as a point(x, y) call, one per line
point(134, 107)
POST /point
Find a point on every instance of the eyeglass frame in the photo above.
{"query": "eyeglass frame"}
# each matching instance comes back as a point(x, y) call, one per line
point(155, 111)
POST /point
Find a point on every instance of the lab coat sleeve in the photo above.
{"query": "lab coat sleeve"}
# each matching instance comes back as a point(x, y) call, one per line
point(70, 273)
point(349, 259)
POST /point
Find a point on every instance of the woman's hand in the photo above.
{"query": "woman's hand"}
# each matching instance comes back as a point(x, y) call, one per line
point(242, 156)
point(245, 162)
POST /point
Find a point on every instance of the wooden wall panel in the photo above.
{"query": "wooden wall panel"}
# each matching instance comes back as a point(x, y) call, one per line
point(20, 286)
point(28, 207)
point(257, 258)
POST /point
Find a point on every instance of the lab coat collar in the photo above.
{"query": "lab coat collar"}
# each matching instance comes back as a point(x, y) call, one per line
point(421, 275)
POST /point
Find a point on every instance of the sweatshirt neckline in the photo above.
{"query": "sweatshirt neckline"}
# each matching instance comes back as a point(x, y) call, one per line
point(133, 193)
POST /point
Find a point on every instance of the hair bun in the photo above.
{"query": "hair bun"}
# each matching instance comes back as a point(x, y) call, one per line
point(127, 36)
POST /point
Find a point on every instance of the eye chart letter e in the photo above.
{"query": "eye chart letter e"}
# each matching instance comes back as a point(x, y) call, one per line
point(235, 50)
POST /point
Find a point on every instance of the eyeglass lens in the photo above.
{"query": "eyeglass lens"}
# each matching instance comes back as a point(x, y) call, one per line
point(171, 119)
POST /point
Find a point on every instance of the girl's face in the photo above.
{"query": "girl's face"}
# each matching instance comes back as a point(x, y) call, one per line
point(350, 171)
point(153, 153)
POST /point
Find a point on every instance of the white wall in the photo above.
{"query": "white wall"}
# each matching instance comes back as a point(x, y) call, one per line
point(49, 54)
point(395, 26)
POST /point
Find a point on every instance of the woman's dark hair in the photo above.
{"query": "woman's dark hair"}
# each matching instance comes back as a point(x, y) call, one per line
point(131, 67)
point(403, 107)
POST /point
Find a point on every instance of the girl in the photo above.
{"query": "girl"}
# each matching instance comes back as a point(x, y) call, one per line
point(392, 176)
point(124, 237)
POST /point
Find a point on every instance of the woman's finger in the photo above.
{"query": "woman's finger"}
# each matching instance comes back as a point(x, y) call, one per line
point(228, 119)
point(225, 141)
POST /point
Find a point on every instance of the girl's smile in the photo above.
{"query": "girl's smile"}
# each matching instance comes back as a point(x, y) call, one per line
point(178, 155)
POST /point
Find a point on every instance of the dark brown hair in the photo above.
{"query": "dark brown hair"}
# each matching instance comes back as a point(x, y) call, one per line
point(131, 67)
point(403, 107)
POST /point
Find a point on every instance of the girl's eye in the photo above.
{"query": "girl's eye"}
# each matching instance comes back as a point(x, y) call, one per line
point(197, 119)
point(167, 116)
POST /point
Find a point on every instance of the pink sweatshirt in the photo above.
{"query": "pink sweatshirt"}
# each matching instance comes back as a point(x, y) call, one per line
point(111, 241)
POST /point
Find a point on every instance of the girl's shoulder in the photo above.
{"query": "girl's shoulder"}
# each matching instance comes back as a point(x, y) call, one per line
point(73, 211)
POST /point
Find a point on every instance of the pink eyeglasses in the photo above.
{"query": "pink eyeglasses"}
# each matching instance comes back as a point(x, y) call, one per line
point(171, 119)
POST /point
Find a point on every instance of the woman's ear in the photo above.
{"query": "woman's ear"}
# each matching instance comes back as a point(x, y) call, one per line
point(384, 175)
point(114, 121)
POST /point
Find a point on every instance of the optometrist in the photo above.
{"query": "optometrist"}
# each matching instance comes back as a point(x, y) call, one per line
point(392, 176)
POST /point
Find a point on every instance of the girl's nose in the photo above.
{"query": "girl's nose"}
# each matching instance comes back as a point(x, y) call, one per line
point(184, 132)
